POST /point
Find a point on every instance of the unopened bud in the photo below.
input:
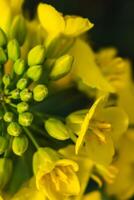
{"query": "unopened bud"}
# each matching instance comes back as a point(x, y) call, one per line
point(34, 72)
point(36, 55)
point(25, 95)
point(22, 107)
point(22, 83)
point(3, 56)
point(14, 129)
point(6, 80)
point(5, 171)
point(3, 144)
point(40, 92)
point(20, 145)
point(61, 67)
point(3, 38)
point(15, 94)
point(8, 117)
point(56, 129)
point(18, 29)
point(13, 50)
point(25, 119)
point(19, 66)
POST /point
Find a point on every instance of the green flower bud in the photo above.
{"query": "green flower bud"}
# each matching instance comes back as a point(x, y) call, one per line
point(20, 145)
point(34, 72)
point(15, 94)
point(6, 80)
point(61, 67)
point(40, 92)
point(5, 171)
point(25, 95)
point(36, 55)
point(18, 29)
point(22, 107)
point(8, 116)
point(19, 66)
point(3, 38)
point(22, 83)
point(25, 119)
point(56, 129)
point(13, 50)
point(3, 56)
point(3, 144)
point(14, 129)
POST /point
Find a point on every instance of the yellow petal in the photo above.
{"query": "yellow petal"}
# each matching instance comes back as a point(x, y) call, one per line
point(93, 196)
point(86, 69)
point(28, 192)
point(76, 25)
point(118, 120)
point(99, 152)
point(16, 6)
point(51, 20)
point(86, 122)
point(5, 15)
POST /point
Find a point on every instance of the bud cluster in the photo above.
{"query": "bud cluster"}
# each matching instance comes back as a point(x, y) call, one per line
point(22, 85)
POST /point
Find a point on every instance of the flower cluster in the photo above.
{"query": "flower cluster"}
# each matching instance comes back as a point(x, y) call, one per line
point(52, 147)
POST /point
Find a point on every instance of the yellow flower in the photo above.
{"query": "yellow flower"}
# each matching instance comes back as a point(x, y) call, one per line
point(99, 128)
point(54, 23)
point(85, 166)
point(118, 72)
point(29, 192)
point(123, 186)
point(1, 197)
point(56, 177)
point(115, 69)
point(88, 169)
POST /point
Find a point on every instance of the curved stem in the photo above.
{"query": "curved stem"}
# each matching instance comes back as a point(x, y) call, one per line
point(31, 137)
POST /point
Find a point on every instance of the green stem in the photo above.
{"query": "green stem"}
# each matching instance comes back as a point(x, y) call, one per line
point(7, 153)
point(31, 137)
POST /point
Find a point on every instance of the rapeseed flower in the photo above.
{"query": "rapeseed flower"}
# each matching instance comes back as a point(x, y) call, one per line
point(55, 177)
point(38, 57)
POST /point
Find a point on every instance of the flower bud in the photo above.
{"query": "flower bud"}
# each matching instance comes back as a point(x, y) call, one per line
point(13, 50)
point(15, 94)
point(25, 119)
point(56, 129)
point(20, 145)
point(36, 55)
point(19, 66)
point(8, 116)
point(6, 79)
point(22, 107)
point(3, 38)
point(25, 95)
point(3, 144)
point(61, 67)
point(40, 92)
point(22, 83)
point(34, 72)
point(14, 129)
point(3, 56)
point(5, 171)
point(18, 29)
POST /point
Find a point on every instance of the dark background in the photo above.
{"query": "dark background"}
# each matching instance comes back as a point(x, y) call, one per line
point(113, 19)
